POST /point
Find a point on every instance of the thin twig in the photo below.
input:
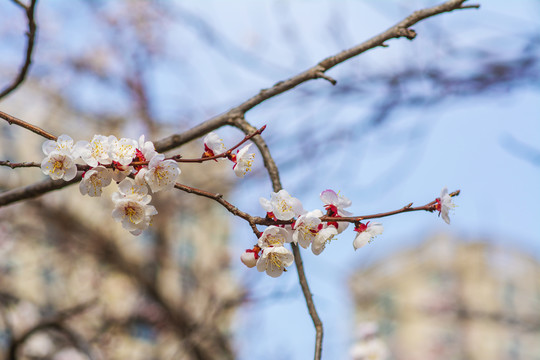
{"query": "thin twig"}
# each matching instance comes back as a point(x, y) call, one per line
point(19, 165)
point(225, 154)
point(317, 323)
point(35, 129)
point(252, 220)
point(401, 29)
point(32, 29)
point(35, 190)
point(20, 4)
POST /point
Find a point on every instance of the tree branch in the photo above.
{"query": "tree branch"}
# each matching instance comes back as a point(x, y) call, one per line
point(32, 29)
point(35, 129)
point(35, 190)
point(19, 165)
point(401, 29)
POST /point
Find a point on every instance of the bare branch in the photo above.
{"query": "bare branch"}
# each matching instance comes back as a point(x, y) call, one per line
point(35, 190)
point(35, 129)
point(32, 29)
point(401, 29)
point(20, 4)
point(19, 165)
point(317, 323)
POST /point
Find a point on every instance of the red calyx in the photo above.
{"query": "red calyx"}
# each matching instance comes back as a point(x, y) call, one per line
point(139, 157)
point(331, 210)
point(438, 204)
point(255, 251)
point(361, 227)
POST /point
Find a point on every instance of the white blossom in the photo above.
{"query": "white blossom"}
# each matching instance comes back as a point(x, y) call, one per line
point(122, 151)
point(131, 206)
point(335, 204)
point(94, 180)
point(213, 145)
point(324, 236)
point(366, 233)
point(161, 174)
point(59, 165)
point(128, 188)
point(146, 148)
point(243, 161)
point(96, 151)
point(307, 227)
point(274, 236)
point(282, 205)
point(444, 204)
point(63, 145)
point(274, 260)
point(134, 215)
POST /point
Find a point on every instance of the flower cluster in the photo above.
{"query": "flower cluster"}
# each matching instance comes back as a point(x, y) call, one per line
point(135, 165)
point(214, 146)
point(308, 230)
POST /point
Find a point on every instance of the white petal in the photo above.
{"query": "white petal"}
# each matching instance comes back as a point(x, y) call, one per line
point(361, 240)
point(329, 197)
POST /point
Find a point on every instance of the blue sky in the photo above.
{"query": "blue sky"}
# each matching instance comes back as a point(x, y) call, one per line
point(459, 142)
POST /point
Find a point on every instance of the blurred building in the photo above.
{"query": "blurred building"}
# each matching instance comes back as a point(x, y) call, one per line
point(449, 299)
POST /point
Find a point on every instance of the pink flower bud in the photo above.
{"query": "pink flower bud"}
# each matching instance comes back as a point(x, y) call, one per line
point(249, 258)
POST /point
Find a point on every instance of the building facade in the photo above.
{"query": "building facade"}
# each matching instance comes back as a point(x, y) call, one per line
point(449, 299)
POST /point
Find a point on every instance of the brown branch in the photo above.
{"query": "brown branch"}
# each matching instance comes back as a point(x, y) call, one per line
point(20, 4)
point(257, 220)
point(31, 34)
point(19, 165)
point(35, 190)
point(252, 220)
point(37, 130)
point(401, 29)
point(407, 208)
point(317, 323)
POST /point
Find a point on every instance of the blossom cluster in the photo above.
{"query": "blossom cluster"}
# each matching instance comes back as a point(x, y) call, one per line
point(135, 165)
point(243, 160)
point(308, 230)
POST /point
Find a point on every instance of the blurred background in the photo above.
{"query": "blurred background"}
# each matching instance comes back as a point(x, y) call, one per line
point(459, 106)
